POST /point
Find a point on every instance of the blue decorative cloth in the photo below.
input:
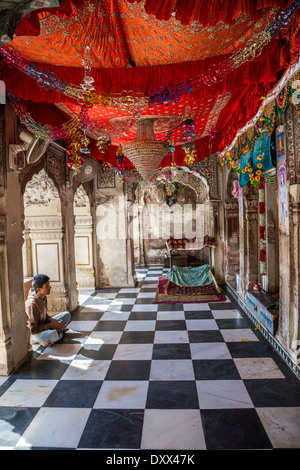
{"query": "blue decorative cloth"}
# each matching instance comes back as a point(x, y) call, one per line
point(262, 146)
point(191, 276)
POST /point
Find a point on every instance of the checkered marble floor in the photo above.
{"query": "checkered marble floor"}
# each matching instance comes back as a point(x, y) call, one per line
point(137, 375)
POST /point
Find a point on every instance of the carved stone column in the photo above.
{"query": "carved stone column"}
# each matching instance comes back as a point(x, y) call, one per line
point(285, 236)
point(6, 350)
point(231, 240)
point(250, 275)
point(295, 275)
point(14, 243)
point(14, 334)
point(6, 353)
point(231, 228)
point(293, 152)
point(58, 169)
point(66, 194)
point(85, 275)
point(137, 228)
point(217, 252)
point(114, 244)
point(272, 232)
point(27, 253)
point(114, 247)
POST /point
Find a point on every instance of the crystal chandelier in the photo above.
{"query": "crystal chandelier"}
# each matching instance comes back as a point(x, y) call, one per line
point(146, 152)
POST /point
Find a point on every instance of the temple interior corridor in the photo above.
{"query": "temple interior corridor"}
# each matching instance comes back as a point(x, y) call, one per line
point(138, 375)
point(150, 200)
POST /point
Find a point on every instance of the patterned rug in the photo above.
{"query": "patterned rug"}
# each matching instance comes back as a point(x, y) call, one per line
point(176, 294)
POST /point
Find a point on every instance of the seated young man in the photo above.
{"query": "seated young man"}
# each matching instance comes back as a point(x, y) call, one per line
point(45, 329)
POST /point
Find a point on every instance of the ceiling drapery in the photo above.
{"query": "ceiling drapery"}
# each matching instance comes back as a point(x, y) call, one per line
point(121, 34)
point(184, 55)
point(208, 13)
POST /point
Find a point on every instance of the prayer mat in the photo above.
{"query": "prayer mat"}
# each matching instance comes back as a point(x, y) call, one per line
point(182, 294)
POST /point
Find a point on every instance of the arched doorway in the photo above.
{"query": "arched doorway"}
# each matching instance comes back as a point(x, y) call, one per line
point(160, 215)
point(43, 250)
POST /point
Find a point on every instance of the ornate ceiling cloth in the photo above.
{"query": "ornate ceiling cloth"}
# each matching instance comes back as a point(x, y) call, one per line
point(216, 60)
point(120, 34)
point(208, 13)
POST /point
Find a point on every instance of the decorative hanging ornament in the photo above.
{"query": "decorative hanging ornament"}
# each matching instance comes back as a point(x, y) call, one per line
point(145, 152)
point(282, 99)
point(103, 142)
point(84, 143)
point(78, 130)
point(170, 141)
point(189, 137)
point(190, 156)
point(120, 167)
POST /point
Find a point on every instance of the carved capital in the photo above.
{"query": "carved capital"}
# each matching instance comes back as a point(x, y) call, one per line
point(251, 205)
point(83, 221)
point(57, 288)
point(231, 206)
point(46, 236)
point(44, 223)
point(45, 228)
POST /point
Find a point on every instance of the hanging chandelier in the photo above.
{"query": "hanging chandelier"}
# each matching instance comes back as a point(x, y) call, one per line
point(146, 152)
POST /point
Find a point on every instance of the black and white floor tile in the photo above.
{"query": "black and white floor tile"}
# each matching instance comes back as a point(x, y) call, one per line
point(137, 375)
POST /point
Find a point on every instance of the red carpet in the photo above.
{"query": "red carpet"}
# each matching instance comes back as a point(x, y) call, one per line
point(176, 294)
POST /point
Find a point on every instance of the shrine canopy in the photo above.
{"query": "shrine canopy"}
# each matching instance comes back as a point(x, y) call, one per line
point(110, 63)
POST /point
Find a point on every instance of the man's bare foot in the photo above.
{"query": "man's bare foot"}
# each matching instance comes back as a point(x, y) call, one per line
point(46, 345)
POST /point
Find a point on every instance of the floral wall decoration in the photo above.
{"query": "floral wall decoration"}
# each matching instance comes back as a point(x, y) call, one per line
point(251, 155)
point(253, 163)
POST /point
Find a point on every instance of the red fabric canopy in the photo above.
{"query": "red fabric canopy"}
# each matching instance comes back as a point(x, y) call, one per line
point(209, 13)
point(133, 51)
point(241, 91)
point(121, 34)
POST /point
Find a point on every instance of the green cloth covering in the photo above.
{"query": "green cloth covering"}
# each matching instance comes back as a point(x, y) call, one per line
point(262, 146)
point(192, 276)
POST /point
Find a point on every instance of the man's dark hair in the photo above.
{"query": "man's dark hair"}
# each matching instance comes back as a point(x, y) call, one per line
point(39, 280)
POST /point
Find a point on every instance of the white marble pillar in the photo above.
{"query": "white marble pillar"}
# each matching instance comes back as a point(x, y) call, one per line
point(85, 275)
